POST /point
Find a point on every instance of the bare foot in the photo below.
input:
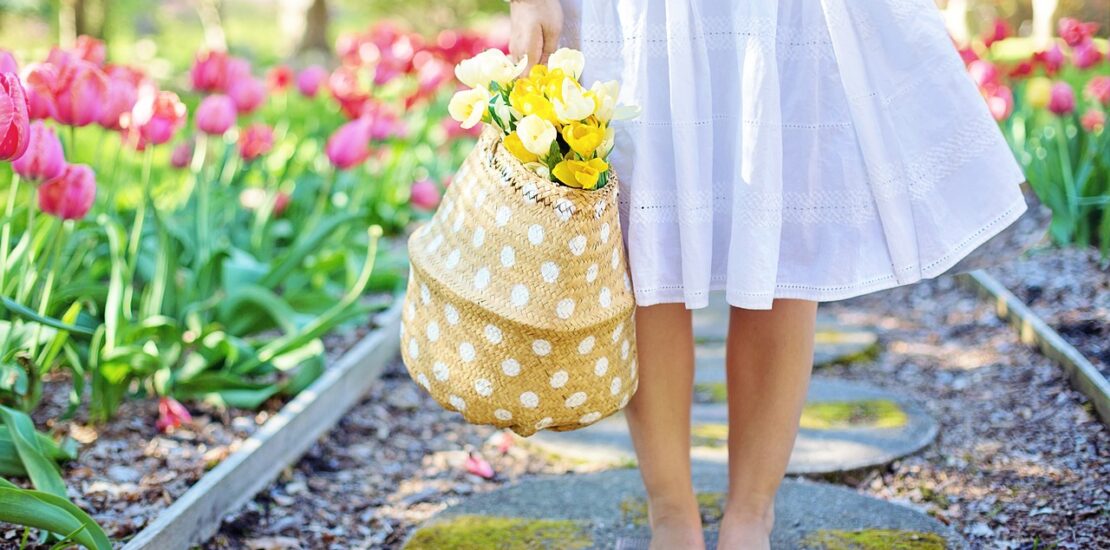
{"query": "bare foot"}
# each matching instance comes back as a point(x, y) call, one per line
point(739, 533)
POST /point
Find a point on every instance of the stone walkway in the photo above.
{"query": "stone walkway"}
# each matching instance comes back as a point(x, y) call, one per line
point(845, 427)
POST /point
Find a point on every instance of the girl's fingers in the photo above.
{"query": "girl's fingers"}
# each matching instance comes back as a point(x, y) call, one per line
point(550, 40)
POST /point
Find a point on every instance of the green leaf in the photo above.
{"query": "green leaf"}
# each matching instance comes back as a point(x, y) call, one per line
point(42, 471)
point(306, 245)
point(50, 513)
point(30, 314)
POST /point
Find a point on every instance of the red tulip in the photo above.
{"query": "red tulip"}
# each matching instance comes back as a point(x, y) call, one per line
point(90, 49)
point(424, 195)
point(1022, 69)
point(70, 194)
point(156, 117)
point(255, 140)
point(349, 146)
point(171, 415)
point(1075, 32)
point(7, 62)
point(80, 91)
point(308, 82)
point(209, 72)
point(1093, 121)
point(1098, 89)
point(478, 466)
point(279, 77)
point(44, 158)
point(1062, 99)
point(252, 198)
point(40, 97)
point(1001, 102)
point(1086, 55)
point(247, 94)
point(215, 114)
point(281, 202)
point(182, 154)
point(1000, 30)
point(15, 123)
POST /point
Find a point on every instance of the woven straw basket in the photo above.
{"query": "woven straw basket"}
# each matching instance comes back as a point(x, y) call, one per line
point(518, 311)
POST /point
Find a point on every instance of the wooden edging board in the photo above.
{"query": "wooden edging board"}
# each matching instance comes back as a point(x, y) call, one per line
point(1034, 331)
point(195, 516)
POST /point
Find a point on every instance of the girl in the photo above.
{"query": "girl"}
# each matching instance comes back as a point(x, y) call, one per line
point(788, 152)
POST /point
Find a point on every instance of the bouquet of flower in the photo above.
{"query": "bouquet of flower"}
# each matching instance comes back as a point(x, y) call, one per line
point(549, 121)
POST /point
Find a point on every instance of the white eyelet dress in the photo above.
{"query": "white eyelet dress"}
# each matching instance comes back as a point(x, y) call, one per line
point(810, 149)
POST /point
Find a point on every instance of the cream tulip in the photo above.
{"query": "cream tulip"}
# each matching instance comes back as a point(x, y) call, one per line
point(575, 104)
point(536, 134)
point(469, 106)
point(572, 62)
point(492, 65)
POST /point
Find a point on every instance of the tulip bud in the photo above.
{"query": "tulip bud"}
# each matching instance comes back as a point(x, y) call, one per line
point(308, 82)
point(7, 62)
point(1052, 59)
point(1098, 90)
point(70, 195)
point(40, 98)
point(216, 114)
point(171, 415)
point(984, 73)
point(279, 78)
point(14, 120)
point(1062, 100)
point(182, 154)
point(44, 158)
point(1086, 55)
point(80, 92)
point(1038, 91)
point(121, 96)
point(255, 140)
point(349, 146)
point(209, 72)
point(247, 94)
point(1075, 32)
point(1093, 121)
point(90, 49)
point(157, 116)
point(424, 195)
point(1001, 103)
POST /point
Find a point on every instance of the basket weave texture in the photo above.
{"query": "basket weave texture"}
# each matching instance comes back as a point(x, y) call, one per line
point(518, 310)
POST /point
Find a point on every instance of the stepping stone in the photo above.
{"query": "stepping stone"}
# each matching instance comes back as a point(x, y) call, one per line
point(608, 510)
point(845, 426)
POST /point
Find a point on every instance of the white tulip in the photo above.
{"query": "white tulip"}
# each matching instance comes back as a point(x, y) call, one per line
point(469, 106)
point(605, 95)
point(570, 61)
point(575, 104)
point(536, 134)
point(489, 66)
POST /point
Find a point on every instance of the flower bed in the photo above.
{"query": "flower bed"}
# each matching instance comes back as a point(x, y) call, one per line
point(200, 246)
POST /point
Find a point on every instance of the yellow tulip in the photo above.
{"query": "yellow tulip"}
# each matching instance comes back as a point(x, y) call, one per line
point(581, 174)
point(552, 83)
point(1038, 92)
point(527, 100)
point(513, 144)
point(583, 139)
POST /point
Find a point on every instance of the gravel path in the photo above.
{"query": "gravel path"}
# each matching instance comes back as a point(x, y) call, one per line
point(1020, 459)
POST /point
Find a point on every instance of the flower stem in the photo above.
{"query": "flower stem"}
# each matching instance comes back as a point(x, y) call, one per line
point(134, 241)
point(6, 229)
point(48, 286)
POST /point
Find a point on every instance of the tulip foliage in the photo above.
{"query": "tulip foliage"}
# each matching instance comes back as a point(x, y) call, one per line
point(198, 243)
point(1052, 107)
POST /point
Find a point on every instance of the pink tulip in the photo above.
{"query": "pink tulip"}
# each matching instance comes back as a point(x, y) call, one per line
point(70, 194)
point(120, 98)
point(156, 117)
point(209, 72)
point(308, 82)
point(1075, 32)
point(90, 49)
point(171, 415)
point(1000, 100)
point(1062, 99)
point(255, 140)
point(968, 55)
point(1052, 59)
point(44, 158)
point(984, 73)
point(346, 88)
point(7, 62)
point(247, 94)
point(182, 154)
point(349, 146)
point(478, 466)
point(40, 97)
point(215, 114)
point(14, 120)
point(424, 195)
point(1093, 121)
point(1086, 55)
point(1098, 89)
point(1000, 30)
point(279, 77)
point(80, 91)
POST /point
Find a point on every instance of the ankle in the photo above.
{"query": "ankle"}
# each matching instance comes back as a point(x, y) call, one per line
point(751, 516)
point(676, 512)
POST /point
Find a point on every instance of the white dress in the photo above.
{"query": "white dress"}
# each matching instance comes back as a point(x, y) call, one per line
point(811, 149)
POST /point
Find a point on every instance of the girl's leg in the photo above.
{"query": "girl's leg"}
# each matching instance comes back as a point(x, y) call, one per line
point(769, 356)
point(659, 419)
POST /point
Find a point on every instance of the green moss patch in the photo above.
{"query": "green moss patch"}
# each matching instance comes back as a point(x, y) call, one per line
point(866, 347)
point(474, 532)
point(711, 392)
point(874, 539)
point(873, 413)
point(709, 435)
point(634, 510)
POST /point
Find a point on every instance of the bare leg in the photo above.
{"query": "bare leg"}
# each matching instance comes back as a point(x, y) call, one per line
point(659, 419)
point(769, 357)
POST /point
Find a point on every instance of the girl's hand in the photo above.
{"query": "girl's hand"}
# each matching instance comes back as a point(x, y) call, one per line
point(536, 25)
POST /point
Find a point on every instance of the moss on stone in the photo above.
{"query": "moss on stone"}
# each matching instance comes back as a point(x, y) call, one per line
point(874, 539)
point(867, 342)
point(711, 505)
point(475, 532)
point(709, 435)
point(713, 392)
point(871, 413)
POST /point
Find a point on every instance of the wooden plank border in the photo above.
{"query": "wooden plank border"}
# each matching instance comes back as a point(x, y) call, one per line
point(1034, 331)
point(196, 515)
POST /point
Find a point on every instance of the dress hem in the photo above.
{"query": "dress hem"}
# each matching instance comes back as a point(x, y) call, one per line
point(762, 301)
